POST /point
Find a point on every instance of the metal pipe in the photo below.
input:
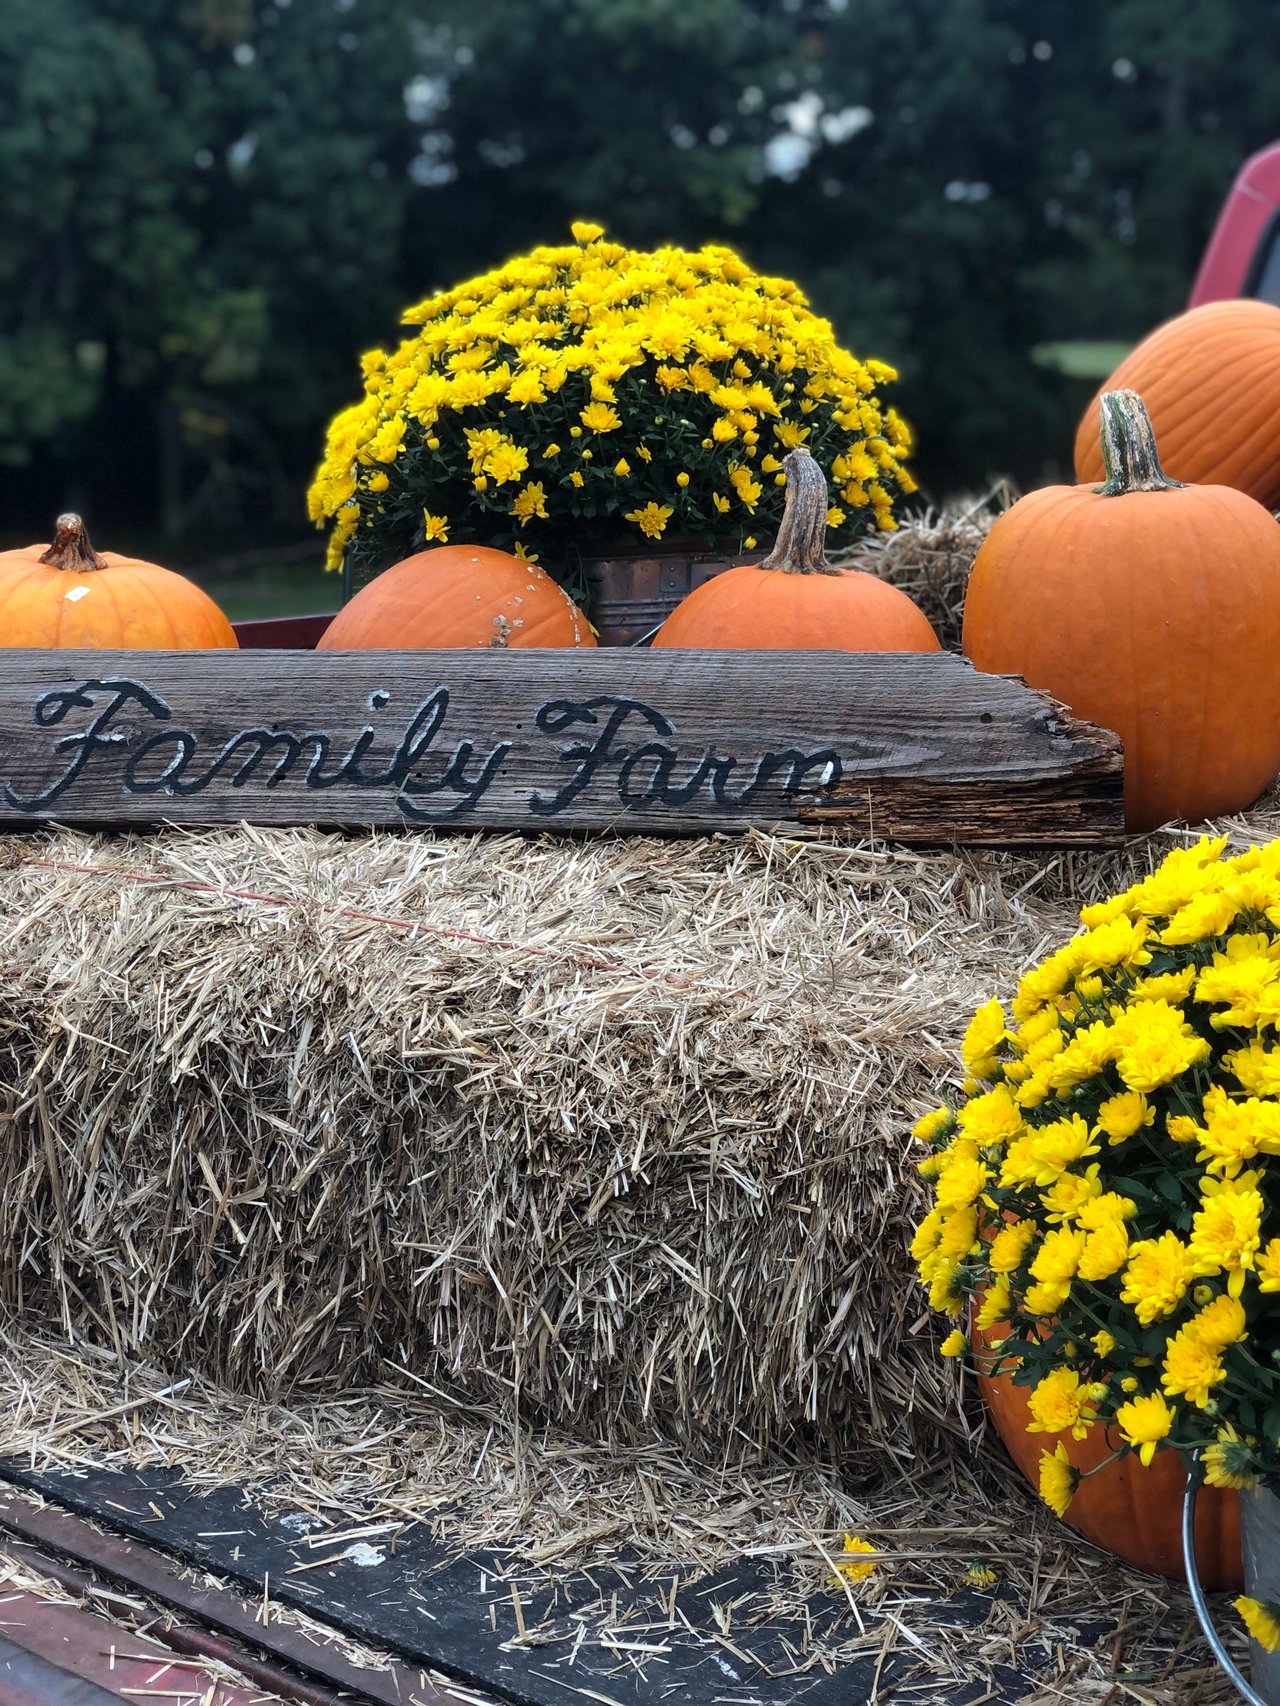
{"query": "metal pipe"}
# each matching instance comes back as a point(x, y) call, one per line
point(1197, 1592)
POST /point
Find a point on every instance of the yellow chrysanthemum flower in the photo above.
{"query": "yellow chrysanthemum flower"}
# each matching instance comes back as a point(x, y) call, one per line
point(933, 1125)
point(1106, 1250)
point(600, 417)
point(983, 1040)
point(1191, 1368)
point(854, 1546)
point(995, 1304)
point(1239, 979)
point(1123, 1114)
point(1156, 1276)
point(1058, 1479)
point(1121, 941)
point(1256, 1066)
point(991, 1118)
point(960, 1182)
point(1070, 1194)
point(1158, 1046)
point(981, 1576)
point(1229, 1461)
point(1226, 1234)
point(1010, 1245)
point(1221, 1322)
point(1060, 1404)
point(1144, 1422)
point(1262, 1620)
point(1209, 913)
point(1267, 1267)
point(652, 519)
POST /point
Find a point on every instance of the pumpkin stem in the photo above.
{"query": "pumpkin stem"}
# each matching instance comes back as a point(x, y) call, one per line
point(1129, 455)
point(800, 546)
point(71, 548)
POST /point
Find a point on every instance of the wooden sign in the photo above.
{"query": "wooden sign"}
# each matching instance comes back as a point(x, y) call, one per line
point(920, 749)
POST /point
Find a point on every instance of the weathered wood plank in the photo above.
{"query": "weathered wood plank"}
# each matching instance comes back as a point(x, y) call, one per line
point(922, 749)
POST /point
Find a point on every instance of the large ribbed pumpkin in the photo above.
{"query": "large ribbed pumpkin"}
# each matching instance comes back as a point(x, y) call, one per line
point(1133, 1511)
point(1150, 608)
point(795, 600)
point(67, 594)
point(458, 595)
point(1211, 382)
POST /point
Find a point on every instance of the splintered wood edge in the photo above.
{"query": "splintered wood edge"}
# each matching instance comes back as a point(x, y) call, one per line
point(996, 812)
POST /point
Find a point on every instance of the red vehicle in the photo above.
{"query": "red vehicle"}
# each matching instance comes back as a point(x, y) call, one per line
point(1243, 256)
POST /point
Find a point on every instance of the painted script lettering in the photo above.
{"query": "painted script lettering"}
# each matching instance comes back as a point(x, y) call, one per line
point(119, 736)
point(650, 774)
point(170, 761)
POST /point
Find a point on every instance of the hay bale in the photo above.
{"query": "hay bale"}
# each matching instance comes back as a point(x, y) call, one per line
point(611, 1134)
point(929, 556)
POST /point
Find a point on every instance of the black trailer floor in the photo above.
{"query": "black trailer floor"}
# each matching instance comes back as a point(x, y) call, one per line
point(619, 1634)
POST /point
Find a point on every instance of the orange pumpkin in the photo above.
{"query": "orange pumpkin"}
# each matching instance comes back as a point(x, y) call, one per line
point(458, 595)
point(794, 600)
point(1151, 608)
point(1211, 380)
point(66, 594)
point(1133, 1511)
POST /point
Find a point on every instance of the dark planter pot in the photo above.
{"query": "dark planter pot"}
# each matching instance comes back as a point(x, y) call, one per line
point(630, 595)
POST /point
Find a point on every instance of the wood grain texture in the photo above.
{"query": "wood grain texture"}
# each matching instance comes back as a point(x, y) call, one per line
point(138, 1568)
point(916, 748)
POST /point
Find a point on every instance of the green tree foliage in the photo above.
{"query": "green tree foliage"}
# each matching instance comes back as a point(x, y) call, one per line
point(213, 206)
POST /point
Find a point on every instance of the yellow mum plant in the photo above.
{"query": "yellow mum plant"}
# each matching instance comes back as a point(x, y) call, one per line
point(1106, 1196)
point(588, 392)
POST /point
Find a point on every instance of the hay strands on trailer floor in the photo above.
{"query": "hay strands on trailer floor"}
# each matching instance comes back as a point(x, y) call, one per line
point(462, 1631)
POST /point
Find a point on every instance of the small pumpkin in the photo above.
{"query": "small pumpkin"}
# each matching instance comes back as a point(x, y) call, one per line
point(67, 594)
point(1133, 1511)
point(1211, 382)
point(1151, 608)
point(458, 595)
point(795, 600)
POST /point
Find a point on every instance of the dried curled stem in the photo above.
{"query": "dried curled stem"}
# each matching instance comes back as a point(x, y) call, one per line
point(1129, 456)
point(800, 548)
point(71, 548)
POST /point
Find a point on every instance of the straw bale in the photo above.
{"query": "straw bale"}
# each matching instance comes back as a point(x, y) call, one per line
point(613, 1135)
point(342, 1073)
point(608, 1134)
point(929, 555)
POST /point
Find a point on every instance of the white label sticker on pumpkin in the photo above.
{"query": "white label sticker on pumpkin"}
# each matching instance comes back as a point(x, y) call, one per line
point(77, 592)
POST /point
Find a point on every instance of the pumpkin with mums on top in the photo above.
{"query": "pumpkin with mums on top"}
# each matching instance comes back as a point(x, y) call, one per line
point(1106, 1205)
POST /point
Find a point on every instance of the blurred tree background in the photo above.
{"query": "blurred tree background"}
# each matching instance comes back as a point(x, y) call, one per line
point(213, 206)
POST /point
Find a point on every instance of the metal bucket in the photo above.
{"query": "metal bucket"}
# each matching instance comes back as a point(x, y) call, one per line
point(1260, 1534)
point(1260, 1537)
point(629, 596)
